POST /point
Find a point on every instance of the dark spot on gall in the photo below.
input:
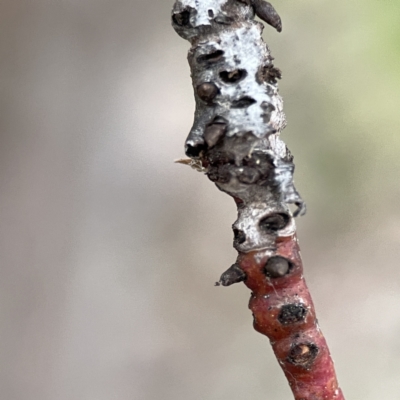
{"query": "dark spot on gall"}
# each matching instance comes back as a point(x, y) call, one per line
point(233, 76)
point(182, 18)
point(219, 120)
point(207, 91)
point(210, 13)
point(292, 313)
point(303, 355)
point(194, 151)
point(276, 267)
point(239, 236)
point(211, 58)
point(274, 222)
point(244, 102)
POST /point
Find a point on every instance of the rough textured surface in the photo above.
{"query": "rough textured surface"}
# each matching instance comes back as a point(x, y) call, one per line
point(235, 141)
point(283, 310)
point(239, 112)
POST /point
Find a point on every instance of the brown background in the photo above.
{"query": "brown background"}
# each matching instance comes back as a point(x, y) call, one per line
point(109, 251)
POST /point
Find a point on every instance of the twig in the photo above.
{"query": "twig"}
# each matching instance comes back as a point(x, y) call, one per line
point(235, 141)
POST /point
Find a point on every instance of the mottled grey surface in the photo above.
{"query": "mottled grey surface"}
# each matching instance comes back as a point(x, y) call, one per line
point(239, 113)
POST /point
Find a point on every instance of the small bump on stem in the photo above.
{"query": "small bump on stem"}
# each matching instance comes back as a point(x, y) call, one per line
point(276, 267)
point(292, 313)
point(207, 91)
point(303, 355)
point(233, 275)
point(274, 222)
point(267, 13)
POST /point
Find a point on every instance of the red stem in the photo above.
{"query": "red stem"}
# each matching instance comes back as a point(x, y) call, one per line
point(283, 310)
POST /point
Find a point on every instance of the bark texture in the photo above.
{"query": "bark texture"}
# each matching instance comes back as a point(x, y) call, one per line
point(235, 141)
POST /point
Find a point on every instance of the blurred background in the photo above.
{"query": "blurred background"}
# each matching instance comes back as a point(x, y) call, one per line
point(109, 251)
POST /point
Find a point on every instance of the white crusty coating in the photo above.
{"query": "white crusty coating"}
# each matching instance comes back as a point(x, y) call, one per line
point(226, 40)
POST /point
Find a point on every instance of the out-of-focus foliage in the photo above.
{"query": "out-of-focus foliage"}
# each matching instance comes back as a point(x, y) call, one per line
point(109, 251)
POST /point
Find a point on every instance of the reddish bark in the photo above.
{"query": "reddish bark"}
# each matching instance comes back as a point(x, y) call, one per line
point(283, 310)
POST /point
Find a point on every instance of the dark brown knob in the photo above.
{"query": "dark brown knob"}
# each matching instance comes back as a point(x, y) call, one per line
point(276, 267)
point(207, 91)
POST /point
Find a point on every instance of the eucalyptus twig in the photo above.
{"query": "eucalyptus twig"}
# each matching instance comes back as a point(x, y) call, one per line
point(235, 141)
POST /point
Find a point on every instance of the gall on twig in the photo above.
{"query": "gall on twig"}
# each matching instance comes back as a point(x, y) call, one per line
point(235, 141)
